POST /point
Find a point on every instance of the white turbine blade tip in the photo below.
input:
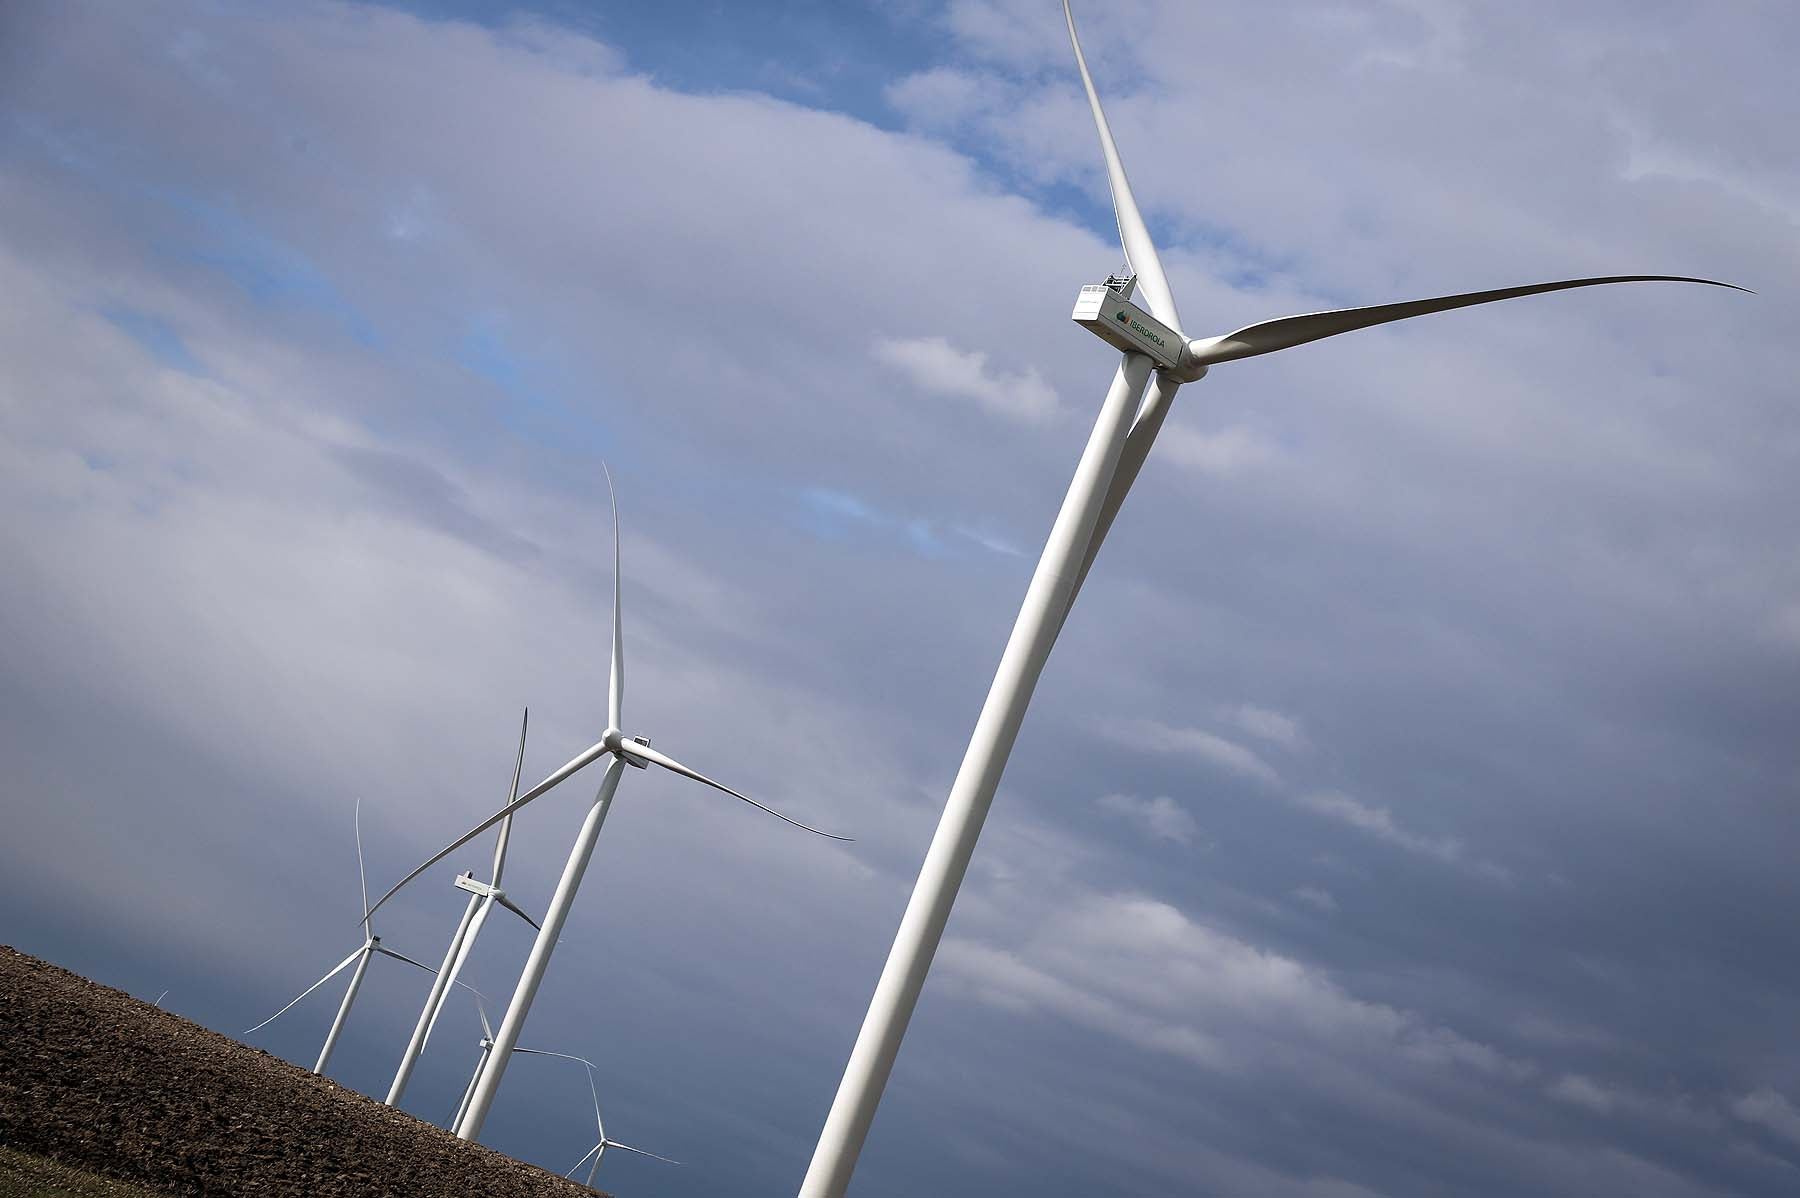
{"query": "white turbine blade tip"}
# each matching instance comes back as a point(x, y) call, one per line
point(615, 681)
point(1134, 235)
point(335, 970)
point(1286, 332)
point(362, 877)
point(487, 1029)
point(669, 763)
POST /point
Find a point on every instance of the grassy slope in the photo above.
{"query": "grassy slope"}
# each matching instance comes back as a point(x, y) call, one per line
point(25, 1176)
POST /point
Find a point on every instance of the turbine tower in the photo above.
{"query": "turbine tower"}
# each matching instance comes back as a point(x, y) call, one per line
point(482, 897)
point(1152, 344)
point(371, 945)
point(623, 750)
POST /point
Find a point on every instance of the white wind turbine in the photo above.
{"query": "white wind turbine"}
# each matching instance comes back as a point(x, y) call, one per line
point(1116, 450)
point(487, 1047)
point(623, 750)
point(482, 897)
point(360, 958)
point(605, 1142)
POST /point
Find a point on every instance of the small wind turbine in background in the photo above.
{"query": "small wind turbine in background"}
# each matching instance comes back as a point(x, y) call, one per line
point(482, 897)
point(360, 958)
point(623, 750)
point(1151, 341)
point(605, 1142)
point(487, 1047)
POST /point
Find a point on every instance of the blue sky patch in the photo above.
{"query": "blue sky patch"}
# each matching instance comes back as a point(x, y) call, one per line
point(155, 336)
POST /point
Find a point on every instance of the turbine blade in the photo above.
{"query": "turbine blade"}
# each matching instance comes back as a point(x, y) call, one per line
point(615, 683)
point(511, 794)
point(634, 749)
point(639, 1151)
point(388, 952)
point(584, 1160)
point(563, 1056)
point(516, 910)
point(480, 1007)
point(586, 757)
point(585, 1064)
point(1289, 331)
point(362, 876)
point(462, 954)
point(599, 1127)
point(481, 1010)
point(335, 970)
point(1140, 251)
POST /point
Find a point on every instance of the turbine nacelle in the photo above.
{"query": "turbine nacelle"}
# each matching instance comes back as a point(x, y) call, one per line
point(624, 747)
point(1106, 310)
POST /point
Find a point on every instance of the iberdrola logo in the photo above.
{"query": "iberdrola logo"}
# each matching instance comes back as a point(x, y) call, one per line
point(1122, 318)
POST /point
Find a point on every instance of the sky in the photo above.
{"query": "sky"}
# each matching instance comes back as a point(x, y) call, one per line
point(1409, 807)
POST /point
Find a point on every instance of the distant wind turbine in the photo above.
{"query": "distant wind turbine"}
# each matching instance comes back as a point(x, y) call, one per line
point(606, 1141)
point(487, 1047)
point(634, 751)
point(482, 897)
point(1116, 450)
point(360, 958)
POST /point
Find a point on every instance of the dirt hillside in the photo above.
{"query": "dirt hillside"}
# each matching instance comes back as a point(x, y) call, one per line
point(96, 1079)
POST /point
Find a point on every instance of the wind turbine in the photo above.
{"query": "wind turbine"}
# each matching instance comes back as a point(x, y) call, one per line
point(633, 751)
point(371, 945)
point(482, 897)
point(1151, 341)
point(606, 1141)
point(487, 1047)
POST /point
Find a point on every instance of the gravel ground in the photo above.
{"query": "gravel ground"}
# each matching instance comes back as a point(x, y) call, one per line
point(95, 1079)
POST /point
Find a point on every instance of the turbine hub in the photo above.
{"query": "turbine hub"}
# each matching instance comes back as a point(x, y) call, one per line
point(1189, 371)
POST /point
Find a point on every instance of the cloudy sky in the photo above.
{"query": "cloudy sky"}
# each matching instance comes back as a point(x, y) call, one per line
point(1409, 807)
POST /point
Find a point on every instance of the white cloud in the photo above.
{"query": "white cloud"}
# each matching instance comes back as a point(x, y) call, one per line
point(1770, 1109)
point(1158, 737)
point(1143, 971)
point(1161, 817)
point(1379, 822)
point(943, 96)
point(1002, 979)
point(1314, 896)
point(1269, 725)
point(933, 364)
point(1581, 1091)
